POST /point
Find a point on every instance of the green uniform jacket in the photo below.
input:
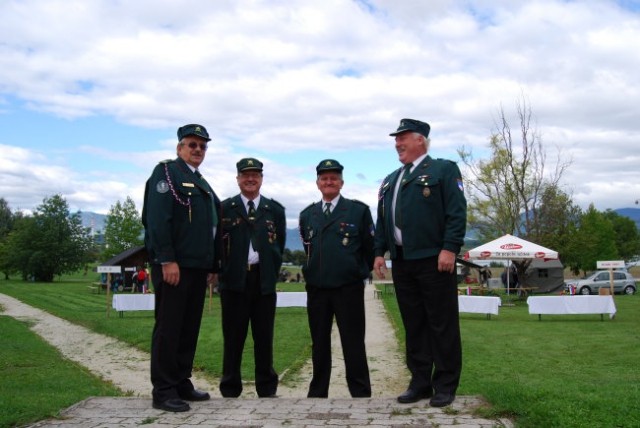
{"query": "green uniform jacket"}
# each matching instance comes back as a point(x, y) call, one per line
point(179, 218)
point(434, 211)
point(339, 248)
point(270, 234)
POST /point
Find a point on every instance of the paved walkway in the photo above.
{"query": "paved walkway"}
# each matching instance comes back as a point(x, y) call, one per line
point(274, 412)
point(382, 410)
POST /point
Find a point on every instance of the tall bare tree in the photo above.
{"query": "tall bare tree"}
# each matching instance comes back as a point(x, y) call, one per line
point(505, 192)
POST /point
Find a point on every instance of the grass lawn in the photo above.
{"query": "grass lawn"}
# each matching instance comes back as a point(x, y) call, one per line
point(71, 299)
point(563, 371)
point(36, 382)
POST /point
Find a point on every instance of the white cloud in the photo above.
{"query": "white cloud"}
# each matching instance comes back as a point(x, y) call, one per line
point(279, 79)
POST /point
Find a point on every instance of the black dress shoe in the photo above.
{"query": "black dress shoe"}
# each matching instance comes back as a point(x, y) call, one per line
point(412, 395)
point(171, 405)
point(442, 399)
point(194, 395)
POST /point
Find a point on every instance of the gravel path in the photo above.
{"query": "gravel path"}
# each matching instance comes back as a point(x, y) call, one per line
point(103, 355)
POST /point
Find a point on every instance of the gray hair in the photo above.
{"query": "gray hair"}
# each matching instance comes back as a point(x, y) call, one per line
point(425, 140)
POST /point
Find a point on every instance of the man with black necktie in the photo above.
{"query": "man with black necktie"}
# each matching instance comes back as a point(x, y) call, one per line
point(337, 234)
point(421, 222)
point(180, 216)
point(254, 233)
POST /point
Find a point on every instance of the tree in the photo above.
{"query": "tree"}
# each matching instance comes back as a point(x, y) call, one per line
point(49, 243)
point(559, 220)
point(627, 237)
point(123, 228)
point(594, 240)
point(7, 219)
point(505, 193)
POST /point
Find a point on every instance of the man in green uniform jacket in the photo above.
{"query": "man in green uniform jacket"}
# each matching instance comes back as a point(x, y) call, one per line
point(254, 235)
point(421, 222)
point(180, 216)
point(337, 234)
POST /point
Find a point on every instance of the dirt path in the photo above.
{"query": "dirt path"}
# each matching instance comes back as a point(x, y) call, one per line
point(103, 355)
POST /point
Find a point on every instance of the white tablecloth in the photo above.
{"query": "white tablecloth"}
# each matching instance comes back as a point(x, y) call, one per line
point(479, 304)
point(291, 298)
point(133, 302)
point(566, 305)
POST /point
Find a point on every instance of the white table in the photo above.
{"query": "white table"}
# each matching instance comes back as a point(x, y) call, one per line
point(288, 299)
point(133, 302)
point(479, 304)
point(568, 305)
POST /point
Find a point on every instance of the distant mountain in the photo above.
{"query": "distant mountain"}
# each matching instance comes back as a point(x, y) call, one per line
point(93, 221)
point(632, 213)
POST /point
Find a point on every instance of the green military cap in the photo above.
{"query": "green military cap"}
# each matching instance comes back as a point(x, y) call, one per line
point(412, 125)
point(329, 165)
point(249, 164)
point(193, 129)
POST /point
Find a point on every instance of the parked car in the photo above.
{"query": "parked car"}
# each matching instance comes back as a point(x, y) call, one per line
point(623, 282)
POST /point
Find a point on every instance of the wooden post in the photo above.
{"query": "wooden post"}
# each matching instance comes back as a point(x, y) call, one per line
point(108, 270)
point(108, 292)
point(611, 281)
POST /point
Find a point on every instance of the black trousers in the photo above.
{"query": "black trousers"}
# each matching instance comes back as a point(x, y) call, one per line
point(238, 309)
point(428, 302)
point(346, 303)
point(178, 314)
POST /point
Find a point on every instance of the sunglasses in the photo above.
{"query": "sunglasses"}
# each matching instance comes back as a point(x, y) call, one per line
point(193, 145)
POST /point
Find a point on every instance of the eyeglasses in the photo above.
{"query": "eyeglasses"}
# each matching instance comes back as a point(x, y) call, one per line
point(193, 145)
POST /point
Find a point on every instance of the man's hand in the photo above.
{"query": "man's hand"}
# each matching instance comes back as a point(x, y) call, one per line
point(380, 267)
point(171, 273)
point(446, 261)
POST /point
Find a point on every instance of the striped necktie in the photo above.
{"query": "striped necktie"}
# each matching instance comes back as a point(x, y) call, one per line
point(327, 209)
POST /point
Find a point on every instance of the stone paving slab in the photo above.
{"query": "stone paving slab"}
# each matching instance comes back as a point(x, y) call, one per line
point(114, 412)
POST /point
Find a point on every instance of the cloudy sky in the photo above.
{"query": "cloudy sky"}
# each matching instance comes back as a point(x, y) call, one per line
point(92, 92)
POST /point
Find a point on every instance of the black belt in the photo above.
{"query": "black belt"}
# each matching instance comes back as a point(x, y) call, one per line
point(251, 267)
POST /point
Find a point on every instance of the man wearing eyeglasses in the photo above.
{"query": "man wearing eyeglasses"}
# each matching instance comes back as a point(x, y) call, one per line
point(180, 216)
point(253, 236)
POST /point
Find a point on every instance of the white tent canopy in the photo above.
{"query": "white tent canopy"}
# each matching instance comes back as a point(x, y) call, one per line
point(511, 248)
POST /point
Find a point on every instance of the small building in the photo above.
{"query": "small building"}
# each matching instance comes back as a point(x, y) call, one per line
point(545, 276)
point(129, 260)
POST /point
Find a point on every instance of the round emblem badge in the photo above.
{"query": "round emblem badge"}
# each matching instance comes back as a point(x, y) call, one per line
point(426, 192)
point(162, 187)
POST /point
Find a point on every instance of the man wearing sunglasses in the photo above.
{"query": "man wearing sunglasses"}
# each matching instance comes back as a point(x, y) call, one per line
point(180, 216)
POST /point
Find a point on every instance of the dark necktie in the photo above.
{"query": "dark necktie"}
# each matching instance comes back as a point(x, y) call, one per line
point(398, 210)
point(252, 211)
point(327, 209)
point(251, 214)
